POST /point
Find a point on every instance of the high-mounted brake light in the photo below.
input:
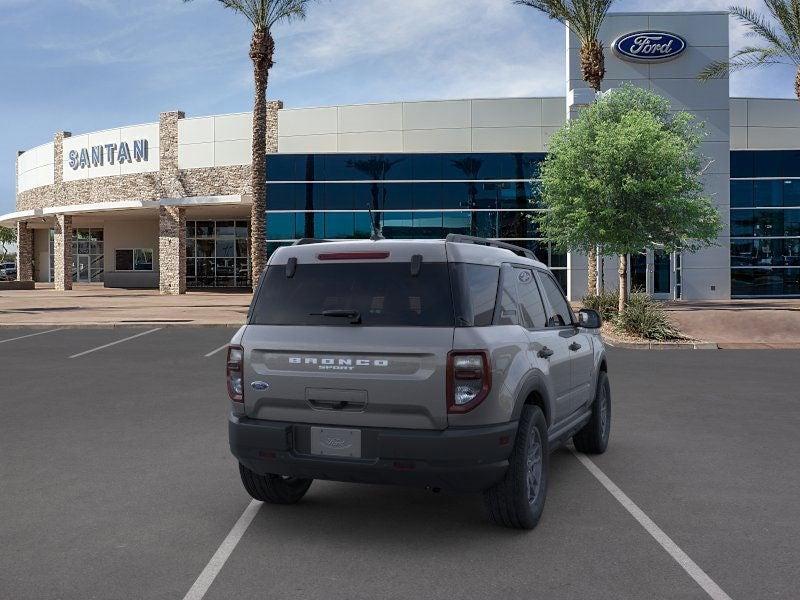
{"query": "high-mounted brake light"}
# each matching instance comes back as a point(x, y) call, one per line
point(234, 372)
point(469, 379)
point(353, 255)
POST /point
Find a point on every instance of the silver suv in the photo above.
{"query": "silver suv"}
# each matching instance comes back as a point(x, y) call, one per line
point(449, 364)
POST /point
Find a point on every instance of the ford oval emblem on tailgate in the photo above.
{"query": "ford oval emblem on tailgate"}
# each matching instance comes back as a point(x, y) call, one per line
point(259, 385)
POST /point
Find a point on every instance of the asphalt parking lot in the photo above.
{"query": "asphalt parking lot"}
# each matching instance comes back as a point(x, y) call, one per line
point(116, 482)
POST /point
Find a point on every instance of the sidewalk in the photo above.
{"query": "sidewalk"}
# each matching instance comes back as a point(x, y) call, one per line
point(740, 323)
point(89, 305)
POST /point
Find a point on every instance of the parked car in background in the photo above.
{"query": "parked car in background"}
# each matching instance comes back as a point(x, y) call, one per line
point(8, 271)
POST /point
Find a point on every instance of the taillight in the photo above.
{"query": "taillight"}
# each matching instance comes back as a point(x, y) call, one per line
point(469, 379)
point(234, 373)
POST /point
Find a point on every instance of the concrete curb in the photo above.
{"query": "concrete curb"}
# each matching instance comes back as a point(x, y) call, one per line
point(663, 345)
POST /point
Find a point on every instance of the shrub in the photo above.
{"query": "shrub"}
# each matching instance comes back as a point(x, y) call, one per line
point(606, 303)
point(646, 318)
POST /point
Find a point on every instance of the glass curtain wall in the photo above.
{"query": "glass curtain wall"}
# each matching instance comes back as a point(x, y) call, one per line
point(765, 223)
point(330, 196)
point(218, 254)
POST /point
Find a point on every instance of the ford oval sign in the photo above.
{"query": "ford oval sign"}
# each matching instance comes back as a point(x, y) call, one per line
point(649, 46)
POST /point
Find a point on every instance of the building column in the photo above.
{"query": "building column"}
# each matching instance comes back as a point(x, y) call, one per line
point(24, 252)
point(171, 250)
point(62, 253)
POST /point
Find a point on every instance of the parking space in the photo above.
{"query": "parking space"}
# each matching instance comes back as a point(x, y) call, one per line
point(117, 483)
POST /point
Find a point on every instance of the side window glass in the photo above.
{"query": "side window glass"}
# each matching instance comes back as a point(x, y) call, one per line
point(530, 300)
point(507, 306)
point(561, 314)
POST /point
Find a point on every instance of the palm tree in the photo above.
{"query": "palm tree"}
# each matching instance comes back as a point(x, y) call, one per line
point(780, 41)
point(584, 19)
point(263, 15)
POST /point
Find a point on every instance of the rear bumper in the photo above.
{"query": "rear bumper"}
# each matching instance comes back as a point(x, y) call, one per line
point(455, 459)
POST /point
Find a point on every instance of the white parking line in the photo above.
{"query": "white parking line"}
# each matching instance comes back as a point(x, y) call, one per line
point(214, 566)
point(115, 343)
point(695, 572)
point(22, 337)
point(213, 352)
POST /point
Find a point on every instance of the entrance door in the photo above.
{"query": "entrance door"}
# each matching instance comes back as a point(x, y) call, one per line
point(83, 268)
point(638, 270)
point(662, 272)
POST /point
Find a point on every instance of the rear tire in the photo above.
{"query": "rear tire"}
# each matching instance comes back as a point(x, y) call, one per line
point(593, 437)
point(518, 500)
point(274, 489)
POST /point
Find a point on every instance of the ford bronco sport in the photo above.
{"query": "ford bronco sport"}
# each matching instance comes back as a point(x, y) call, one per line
point(450, 364)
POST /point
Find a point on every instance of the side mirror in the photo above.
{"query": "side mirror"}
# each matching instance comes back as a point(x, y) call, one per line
point(590, 319)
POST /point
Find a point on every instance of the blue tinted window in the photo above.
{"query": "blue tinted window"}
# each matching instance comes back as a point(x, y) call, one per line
point(363, 228)
point(791, 222)
point(427, 195)
point(742, 164)
point(398, 225)
point(282, 196)
point(768, 163)
point(765, 282)
point(791, 192)
point(458, 222)
point(427, 224)
point(339, 196)
point(455, 195)
point(281, 167)
point(426, 166)
point(280, 226)
point(791, 163)
point(742, 223)
point(339, 225)
point(485, 224)
point(309, 225)
point(383, 196)
point(768, 193)
point(311, 196)
point(741, 194)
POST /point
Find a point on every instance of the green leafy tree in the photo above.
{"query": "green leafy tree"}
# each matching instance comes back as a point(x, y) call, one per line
point(626, 175)
point(8, 236)
point(778, 40)
point(263, 15)
point(584, 19)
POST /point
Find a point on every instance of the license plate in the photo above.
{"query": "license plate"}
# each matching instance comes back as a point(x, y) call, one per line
point(330, 441)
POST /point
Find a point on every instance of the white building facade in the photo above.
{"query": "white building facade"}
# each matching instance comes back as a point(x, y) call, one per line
point(167, 204)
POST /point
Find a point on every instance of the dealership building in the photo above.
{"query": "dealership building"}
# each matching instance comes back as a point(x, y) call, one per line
point(167, 204)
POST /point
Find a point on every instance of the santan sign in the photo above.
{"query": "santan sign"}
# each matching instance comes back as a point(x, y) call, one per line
point(97, 156)
point(649, 46)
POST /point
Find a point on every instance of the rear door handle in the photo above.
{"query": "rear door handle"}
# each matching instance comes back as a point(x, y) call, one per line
point(574, 346)
point(545, 352)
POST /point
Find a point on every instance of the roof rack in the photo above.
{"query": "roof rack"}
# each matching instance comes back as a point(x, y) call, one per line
point(468, 239)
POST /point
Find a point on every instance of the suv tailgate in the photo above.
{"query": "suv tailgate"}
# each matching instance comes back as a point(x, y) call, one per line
point(347, 375)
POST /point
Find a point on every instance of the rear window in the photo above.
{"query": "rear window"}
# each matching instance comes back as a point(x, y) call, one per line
point(383, 294)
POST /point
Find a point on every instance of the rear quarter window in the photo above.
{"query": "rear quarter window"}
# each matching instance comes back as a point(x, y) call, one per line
point(474, 293)
point(384, 294)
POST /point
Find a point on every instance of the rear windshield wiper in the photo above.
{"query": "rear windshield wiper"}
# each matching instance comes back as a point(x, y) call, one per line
point(353, 315)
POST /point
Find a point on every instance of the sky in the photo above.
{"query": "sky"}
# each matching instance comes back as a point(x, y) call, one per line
point(86, 65)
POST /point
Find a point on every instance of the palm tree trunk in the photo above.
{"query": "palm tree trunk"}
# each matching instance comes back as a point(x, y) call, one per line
point(797, 84)
point(261, 52)
point(593, 67)
point(591, 282)
point(593, 70)
point(623, 282)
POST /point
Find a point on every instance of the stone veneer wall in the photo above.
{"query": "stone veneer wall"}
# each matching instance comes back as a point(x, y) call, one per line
point(24, 252)
point(171, 250)
point(62, 251)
